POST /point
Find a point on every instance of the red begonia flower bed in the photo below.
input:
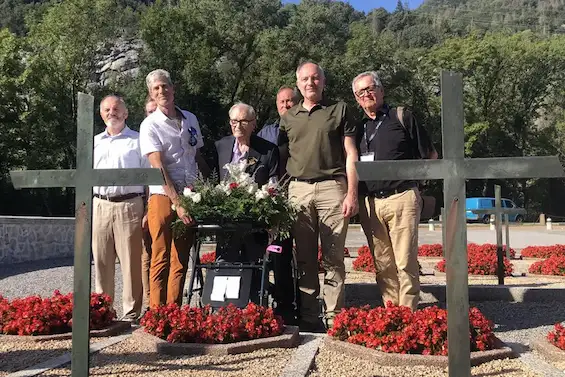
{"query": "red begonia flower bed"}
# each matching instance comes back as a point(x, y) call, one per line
point(482, 260)
point(554, 265)
point(557, 336)
point(430, 250)
point(201, 325)
point(543, 251)
point(47, 316)
point(396, 329)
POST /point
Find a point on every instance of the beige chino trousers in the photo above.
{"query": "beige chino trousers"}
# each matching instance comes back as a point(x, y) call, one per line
point(394, 222)
point(320, 215)
point(116, 232)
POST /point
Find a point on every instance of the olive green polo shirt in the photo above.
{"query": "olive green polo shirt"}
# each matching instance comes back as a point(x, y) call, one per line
point(315, 139)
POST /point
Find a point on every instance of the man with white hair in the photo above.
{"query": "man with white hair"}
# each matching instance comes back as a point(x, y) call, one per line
point(318, 136)
point(170, 138)
point(118, 210)
point(394, 206)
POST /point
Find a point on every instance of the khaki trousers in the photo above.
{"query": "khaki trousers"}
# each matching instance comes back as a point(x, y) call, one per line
point(394, 221)
point(169, 256)
point(116, 231)
point(320, 215)
point(365, 221)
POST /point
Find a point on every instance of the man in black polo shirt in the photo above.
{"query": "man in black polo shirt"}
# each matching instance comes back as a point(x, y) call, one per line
point(394, 206)
point(318, 136)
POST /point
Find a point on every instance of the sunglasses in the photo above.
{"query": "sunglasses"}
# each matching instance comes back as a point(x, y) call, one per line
point(192, 141)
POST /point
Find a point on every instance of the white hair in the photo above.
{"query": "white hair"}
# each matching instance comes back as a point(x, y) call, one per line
point(320, 70)
point(158, 74)
point(249, 110)
point(373, 74)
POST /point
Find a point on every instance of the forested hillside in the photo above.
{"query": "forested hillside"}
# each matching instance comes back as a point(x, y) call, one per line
point(512, 56)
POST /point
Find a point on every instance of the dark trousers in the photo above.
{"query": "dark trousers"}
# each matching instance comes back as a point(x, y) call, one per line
point(285, 292)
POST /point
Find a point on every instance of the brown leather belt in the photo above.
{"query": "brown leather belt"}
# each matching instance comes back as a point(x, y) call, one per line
point(118, 198)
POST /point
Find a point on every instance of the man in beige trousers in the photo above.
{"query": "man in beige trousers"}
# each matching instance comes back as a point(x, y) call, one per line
point(118, 210)
point(394, 206)
point(318, 136)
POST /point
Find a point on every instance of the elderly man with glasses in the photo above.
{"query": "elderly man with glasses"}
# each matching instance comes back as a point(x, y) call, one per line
point(263, 165)
point(170, 138)
point(394, 206)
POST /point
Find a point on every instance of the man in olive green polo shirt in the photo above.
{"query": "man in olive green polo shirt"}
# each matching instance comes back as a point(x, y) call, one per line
point(318, 136)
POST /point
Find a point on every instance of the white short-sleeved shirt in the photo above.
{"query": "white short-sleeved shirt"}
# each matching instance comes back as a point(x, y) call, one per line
point(118, 152)
point(159, 133)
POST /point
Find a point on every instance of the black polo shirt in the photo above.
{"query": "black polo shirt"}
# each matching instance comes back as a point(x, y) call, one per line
point(389, 140)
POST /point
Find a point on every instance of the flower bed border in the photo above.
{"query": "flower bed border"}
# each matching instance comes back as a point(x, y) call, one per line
point(502, 351)
point(477, 277)
point(552, 277)
point(288, 339)
point(116, 328)
point(548, 350)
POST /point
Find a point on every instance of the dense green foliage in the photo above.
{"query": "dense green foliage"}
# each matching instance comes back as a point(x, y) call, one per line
point(511, 52)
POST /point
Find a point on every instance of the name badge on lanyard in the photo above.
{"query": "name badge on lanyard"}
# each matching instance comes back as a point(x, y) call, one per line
point(368, 155)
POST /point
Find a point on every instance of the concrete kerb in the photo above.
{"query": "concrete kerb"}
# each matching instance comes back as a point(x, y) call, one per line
point(288, 339)
point(301, 361)
point(117, 327)
point(369, 292)
point(548, 350)
point(393, 359)
point(66, 358)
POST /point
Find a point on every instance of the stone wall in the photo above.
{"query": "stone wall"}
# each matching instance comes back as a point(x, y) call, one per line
point(24, 239)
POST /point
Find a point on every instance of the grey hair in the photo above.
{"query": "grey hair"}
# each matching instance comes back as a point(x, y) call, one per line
point(119, 98)
point(320, 70)
point(285, 87)
point(250, 111)
point(158, 74)
point(373, 74)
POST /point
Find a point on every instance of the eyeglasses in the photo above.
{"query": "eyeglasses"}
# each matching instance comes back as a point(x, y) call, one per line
point(243, 122)
point(363, 92)
point(192, 141)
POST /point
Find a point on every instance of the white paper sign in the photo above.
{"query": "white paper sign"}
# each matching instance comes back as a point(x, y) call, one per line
point(370, 156)
point(219, 288)
point(232, 291)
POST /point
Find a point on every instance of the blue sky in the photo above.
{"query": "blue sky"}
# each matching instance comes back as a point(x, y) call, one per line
point(367, 5)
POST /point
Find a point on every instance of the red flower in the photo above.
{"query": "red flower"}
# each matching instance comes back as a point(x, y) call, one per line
point(397, 329)
point(554, 265)
point(199, 325)
point(233, 185)
point(557, 336)
point(36, 316)
point(482, 260)
point(208, 257)
point(543, 251)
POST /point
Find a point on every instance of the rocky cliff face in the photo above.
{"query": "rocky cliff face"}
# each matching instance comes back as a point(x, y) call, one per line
point(120, 60)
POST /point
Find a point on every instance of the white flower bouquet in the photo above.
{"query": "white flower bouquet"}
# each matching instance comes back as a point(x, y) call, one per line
point(238, 199)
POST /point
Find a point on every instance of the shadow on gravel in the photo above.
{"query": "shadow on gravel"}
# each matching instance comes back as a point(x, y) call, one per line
point(15, 360)
point(509, 316)
point(21, 268)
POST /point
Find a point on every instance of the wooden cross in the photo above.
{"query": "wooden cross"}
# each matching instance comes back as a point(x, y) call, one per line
point(498, 212)
point(84, 177)
point(454, 169)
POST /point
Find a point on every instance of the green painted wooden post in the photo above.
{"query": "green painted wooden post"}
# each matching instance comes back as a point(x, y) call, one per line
point(454, 169)
point(84, 177)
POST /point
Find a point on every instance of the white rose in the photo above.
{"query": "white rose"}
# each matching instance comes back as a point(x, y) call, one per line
point(173, 207)
point(260, 194)
point(196, 198)
point(187, 192)
point(252, 188)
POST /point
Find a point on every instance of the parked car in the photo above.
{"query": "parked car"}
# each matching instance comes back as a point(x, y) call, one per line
point(487, 203)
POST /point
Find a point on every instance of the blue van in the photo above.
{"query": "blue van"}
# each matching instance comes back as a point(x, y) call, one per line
point(486, 203)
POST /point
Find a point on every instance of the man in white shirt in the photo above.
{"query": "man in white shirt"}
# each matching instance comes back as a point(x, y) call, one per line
point(170, 138)
point(118, 210)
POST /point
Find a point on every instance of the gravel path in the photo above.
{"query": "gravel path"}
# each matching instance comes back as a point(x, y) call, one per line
point(19, 355)
point(131, 358)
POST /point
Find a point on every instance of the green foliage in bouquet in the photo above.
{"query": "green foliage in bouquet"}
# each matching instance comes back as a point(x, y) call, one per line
point(237, 199)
